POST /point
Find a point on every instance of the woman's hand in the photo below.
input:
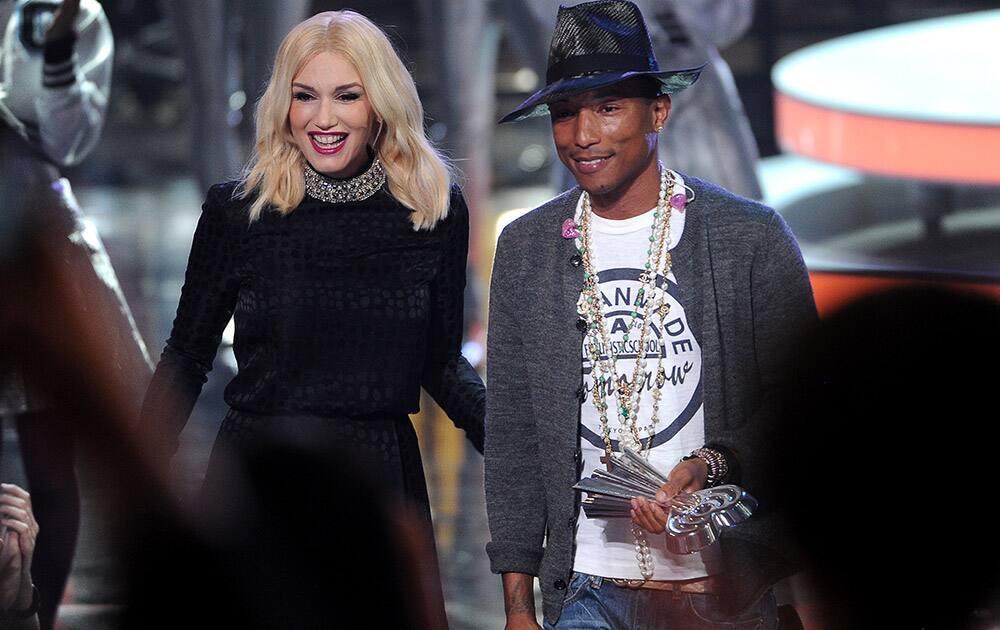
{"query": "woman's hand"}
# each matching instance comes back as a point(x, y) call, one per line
point(688, 476)
point(16, 547)
point(65, 18)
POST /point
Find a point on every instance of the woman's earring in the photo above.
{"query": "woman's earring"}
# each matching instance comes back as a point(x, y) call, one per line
point(658, 128)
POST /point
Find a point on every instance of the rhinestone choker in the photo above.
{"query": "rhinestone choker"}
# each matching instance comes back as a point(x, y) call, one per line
point(356, 188)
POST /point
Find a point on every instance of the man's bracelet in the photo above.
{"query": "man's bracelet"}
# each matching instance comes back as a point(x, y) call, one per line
point(718, 467)
point(27, 613)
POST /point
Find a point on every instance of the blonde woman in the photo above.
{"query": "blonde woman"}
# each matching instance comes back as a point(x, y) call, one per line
point(342, 253)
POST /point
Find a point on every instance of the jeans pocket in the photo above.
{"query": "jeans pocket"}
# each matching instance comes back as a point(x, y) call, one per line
point(577, 584)
point(708, 610)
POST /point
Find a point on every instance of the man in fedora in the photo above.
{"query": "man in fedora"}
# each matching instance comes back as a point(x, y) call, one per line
point(641, 309)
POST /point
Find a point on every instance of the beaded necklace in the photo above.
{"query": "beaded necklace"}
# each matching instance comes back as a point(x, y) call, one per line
point(357, 188)
point(650, 298)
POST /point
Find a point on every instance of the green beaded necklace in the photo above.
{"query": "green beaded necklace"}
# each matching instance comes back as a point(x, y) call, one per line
point(589, 307)
point(604, 372)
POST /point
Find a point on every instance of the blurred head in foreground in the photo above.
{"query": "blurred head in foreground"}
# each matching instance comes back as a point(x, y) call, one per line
point(887, 460)
point(295, 539)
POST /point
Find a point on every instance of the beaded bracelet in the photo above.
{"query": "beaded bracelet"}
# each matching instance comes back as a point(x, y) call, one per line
point(718, 467)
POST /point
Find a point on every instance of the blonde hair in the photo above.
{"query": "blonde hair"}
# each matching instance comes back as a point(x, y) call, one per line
point(418, 176)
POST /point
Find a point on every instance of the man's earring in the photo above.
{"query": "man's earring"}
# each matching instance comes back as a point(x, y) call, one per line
point(658, 128)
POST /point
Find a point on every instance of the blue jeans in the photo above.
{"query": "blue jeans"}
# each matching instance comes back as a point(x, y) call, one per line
point(595, 603)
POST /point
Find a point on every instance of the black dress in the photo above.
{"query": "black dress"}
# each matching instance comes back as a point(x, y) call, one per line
point(342, 312)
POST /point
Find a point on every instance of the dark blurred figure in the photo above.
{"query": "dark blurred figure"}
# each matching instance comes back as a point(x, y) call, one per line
point(888, 460)
point(222, 42)
point(294, 539)
point(55, 66)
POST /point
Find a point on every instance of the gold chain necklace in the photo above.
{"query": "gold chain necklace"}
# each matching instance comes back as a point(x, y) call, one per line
point(604, 371)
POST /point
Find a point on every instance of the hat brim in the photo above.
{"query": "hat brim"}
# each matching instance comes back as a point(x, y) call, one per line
point(671, 82)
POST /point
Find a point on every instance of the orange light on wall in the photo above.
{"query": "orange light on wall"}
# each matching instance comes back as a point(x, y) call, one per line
point(930, 151)
point(918, 100)
point(833, 289)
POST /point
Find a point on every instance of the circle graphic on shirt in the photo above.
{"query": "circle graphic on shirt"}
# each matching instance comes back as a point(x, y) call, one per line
point(673, 340)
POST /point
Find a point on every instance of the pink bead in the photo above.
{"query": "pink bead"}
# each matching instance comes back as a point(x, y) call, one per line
point(569, 229)
point(678, 201)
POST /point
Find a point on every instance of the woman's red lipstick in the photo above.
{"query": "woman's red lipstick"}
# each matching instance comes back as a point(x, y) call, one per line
point(328, 149)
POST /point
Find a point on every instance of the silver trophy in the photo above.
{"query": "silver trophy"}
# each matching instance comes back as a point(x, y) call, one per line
point(694, 519)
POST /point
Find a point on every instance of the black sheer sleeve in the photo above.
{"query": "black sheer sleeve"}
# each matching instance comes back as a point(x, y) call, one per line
point(206, 305)
point(448, 377)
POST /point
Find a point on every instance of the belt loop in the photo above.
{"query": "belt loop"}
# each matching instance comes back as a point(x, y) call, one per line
point(596, 580)
point(678, 593)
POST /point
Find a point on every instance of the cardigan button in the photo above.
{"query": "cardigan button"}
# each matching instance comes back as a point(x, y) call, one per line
point(581, 394)
point(581, 325)
point(575, 260)
point(560, 585)
point(571, 523)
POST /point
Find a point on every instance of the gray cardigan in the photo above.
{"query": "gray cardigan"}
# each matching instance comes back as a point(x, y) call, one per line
point(747, 294)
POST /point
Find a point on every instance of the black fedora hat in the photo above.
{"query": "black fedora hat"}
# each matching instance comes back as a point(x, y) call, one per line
point(597, 44)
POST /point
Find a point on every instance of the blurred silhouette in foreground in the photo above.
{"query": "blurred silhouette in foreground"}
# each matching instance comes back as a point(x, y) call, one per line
point(887, 460)
point(56, 59)
point(293, 539)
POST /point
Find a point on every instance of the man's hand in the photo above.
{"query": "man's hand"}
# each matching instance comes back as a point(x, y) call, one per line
point(16, 547)
point(688, 476)
point(519, 601)
point(65, 18)
point(522, 622)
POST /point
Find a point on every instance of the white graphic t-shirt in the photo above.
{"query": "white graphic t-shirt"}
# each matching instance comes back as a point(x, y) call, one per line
point(606, 547)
